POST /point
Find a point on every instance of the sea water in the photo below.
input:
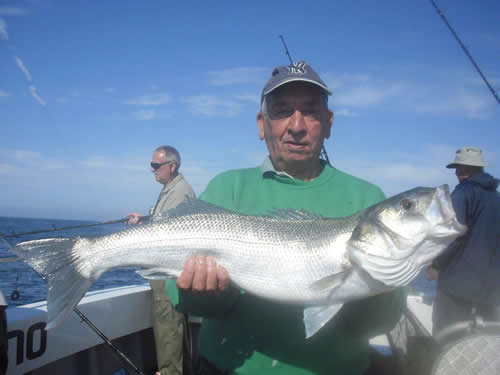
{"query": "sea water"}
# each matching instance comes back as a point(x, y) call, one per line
point(17, 276)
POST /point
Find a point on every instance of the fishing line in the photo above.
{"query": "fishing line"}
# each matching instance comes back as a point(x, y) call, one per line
point(323, 153)
point(466, 51)
point(286, 49)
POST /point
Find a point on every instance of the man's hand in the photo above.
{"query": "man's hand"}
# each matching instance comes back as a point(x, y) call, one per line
point(201, 274)
point(134, 218)
point(432, 273)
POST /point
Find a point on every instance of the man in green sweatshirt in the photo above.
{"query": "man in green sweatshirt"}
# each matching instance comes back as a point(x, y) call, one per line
point(245, 334)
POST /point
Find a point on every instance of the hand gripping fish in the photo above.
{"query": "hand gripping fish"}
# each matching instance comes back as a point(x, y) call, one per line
point(288, 256)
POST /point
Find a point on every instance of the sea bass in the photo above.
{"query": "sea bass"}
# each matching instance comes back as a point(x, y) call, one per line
point(288, 256)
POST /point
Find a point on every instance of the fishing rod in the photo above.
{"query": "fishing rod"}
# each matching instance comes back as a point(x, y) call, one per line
point(108, 342)
point(13, 235)
point(493, 92)
point(92, 326)
point(286, 49)
point(323, 153)
point(124, 220)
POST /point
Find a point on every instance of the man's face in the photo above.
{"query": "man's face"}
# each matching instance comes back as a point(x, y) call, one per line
point(164, 174)
point(296, 124)
point(463, 172)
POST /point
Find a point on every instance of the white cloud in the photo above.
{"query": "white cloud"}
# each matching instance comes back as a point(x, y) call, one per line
point(209, 105)
point(97, 162)
point(345, 112)
point(471, 103)
point(251, 98)
point(149, 100)
point(12, 11)
point(237, 76)
point(22, 67)
point(109, 163)
point(397, 172)
point(35, 95)
point(4, 94)
point(3, 29)
point(367, 96)
point(24, 156)
point(448, 93)
point(24, 163)
point(144, 115)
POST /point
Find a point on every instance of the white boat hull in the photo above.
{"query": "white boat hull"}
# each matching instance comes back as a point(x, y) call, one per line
point(122, 314)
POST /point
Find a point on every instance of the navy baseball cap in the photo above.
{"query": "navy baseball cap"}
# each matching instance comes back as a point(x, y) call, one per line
point(299, 71)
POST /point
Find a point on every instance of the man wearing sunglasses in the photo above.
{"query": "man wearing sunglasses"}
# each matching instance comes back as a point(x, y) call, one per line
point(168, 324)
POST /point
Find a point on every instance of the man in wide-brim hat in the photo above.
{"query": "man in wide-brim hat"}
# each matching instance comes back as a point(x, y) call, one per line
point(468, 272)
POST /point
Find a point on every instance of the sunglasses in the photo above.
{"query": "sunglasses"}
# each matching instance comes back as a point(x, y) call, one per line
point(156, 166)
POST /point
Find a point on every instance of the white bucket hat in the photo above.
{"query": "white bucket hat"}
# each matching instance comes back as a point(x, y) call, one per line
point(472, 156)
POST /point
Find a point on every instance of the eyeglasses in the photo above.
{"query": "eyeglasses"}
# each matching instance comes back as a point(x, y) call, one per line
point(156, 166)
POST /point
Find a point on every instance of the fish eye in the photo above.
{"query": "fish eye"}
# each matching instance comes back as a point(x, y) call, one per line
point(406, 204)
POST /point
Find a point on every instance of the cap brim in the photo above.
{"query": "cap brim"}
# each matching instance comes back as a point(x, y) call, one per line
point(295, 79)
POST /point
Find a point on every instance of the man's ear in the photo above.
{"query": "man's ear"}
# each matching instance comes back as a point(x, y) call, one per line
point(329, 124)
point(260, 124)
point(174, 167)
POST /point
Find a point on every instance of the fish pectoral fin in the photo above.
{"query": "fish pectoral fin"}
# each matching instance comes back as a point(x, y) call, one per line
point(156, 274)
point(316, 317)
point(329, 282)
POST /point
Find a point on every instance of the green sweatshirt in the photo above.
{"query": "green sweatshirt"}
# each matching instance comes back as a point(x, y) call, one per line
point(245, 334)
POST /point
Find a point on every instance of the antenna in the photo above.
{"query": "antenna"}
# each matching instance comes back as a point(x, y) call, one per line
point(323, 153)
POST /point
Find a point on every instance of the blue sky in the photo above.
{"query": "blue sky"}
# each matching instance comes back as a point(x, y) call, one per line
point(89, 88)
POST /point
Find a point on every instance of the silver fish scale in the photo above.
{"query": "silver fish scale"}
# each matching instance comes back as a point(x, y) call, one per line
point(272, 257)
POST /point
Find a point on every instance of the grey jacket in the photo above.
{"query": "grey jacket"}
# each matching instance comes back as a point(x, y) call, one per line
point(470, 267)
point(174, 193)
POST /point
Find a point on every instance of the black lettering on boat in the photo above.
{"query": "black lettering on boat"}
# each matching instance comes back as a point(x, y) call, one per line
point(33, 349)
point(31, 353)
point(19, 335)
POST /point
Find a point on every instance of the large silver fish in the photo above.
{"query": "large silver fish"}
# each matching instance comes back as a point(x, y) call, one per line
point(289, 256)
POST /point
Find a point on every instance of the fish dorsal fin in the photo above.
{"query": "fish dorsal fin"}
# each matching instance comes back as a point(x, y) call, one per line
point(329, 282)
point(292, 214)
point(192, 206)
point(316, 317)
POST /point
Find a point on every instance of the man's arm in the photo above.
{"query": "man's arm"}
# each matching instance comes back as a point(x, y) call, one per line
point(204, 287)
point(134, 218)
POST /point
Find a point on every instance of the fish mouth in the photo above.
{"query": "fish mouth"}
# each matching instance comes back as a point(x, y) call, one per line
point(448, 217)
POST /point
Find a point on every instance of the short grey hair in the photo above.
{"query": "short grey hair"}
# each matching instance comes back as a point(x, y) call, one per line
point(171, 154)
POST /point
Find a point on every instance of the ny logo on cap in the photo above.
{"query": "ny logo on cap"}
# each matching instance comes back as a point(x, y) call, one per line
point(297, 68)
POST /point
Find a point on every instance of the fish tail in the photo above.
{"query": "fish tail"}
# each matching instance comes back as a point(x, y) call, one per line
point(64, 271)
